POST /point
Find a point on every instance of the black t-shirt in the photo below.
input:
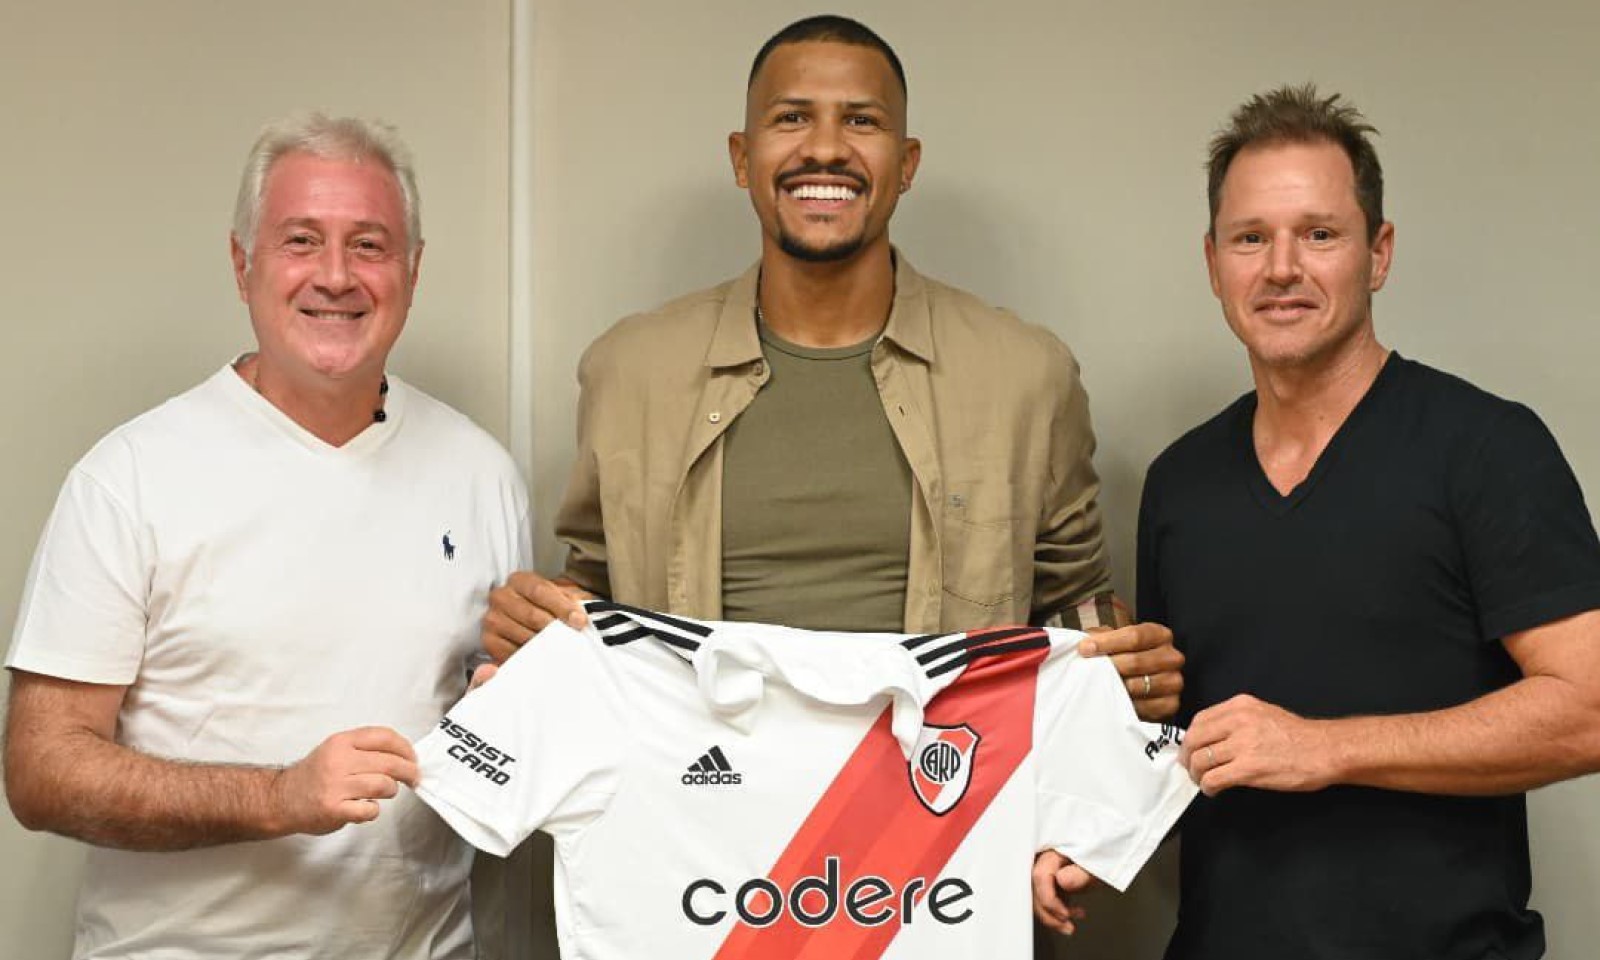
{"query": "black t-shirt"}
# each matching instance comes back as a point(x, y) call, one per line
point(1438, 520)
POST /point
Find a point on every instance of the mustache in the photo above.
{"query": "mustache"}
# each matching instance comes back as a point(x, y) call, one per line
point(822, 170)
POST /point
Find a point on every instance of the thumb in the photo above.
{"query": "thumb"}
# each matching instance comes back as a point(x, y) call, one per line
point(1073, 879)
point(482, 675)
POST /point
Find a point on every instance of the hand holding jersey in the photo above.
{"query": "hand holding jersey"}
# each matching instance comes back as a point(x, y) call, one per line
point(1150, 666)
point(1247, 742)
point(342, 780)
point(525, 604)
point(1056, 880)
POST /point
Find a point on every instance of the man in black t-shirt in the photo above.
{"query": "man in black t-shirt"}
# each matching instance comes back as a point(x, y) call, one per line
point(1386, 583)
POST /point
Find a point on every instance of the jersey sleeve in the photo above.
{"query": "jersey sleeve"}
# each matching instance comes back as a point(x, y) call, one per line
point(540, 746)
point(1109, 785)
point(1526, 534)
point(84, 607)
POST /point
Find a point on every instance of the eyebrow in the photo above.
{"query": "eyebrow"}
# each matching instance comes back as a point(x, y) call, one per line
point(868, 104)
point(362, 226)
point(1316, 216)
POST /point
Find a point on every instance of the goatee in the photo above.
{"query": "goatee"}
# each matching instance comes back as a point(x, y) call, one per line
point(833, 253)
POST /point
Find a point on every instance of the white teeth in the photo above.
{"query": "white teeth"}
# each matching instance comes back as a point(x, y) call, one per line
point(333, 314)
point(819, 191)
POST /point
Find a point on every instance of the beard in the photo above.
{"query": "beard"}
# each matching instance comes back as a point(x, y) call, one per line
point(832, 253)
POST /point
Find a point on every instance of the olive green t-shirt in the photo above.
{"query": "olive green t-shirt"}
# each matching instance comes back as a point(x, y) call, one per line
point(816, 496)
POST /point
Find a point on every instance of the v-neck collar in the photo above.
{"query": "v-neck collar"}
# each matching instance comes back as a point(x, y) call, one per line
point(361, 445)
point(1280, 504)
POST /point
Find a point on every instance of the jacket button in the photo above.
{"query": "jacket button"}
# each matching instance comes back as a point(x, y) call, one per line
point(714, 416)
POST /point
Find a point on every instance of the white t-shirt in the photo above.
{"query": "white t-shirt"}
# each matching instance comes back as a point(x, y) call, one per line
point(743, 790)
point(257, 590)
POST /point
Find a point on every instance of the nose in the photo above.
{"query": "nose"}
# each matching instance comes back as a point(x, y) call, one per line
point(1283, 262)
point(333, 271)
point(825, 143)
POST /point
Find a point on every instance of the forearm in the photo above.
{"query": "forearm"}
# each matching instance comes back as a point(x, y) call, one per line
point(1536, 731)
point(111, 796)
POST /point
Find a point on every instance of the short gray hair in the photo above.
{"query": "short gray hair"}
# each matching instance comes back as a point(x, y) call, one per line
point(332, 138)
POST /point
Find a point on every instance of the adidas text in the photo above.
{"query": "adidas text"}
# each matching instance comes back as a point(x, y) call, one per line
point(701, 777)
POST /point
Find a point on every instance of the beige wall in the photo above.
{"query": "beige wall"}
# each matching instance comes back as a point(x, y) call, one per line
point(1061, 178)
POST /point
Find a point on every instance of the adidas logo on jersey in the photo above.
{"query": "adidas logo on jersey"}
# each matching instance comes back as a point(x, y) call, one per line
point(711, 769)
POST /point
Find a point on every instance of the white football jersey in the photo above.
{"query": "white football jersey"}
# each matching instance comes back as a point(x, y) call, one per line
point(736, 790)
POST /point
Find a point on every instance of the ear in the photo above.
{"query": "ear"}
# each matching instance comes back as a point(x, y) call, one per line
point(241, 264)
point(1382, 255)
point(1211, 265)
point(910, 159)
point(738, 155)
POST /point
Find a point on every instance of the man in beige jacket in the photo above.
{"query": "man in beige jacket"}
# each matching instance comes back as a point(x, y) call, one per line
point(832, 440)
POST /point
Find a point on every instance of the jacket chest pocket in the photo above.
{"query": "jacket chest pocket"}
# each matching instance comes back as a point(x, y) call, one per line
point(978, 530)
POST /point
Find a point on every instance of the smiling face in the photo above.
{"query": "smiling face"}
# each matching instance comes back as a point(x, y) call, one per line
point(1289, 256)
point(824, 152)
point(328, 281)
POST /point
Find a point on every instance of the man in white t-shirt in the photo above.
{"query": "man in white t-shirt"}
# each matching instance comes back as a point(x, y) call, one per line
point(249, 598)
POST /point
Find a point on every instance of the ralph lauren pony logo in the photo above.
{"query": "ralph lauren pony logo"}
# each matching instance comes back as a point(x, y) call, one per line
point(449, 548)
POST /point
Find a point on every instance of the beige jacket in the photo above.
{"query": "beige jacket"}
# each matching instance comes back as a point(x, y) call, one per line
point(988, 410)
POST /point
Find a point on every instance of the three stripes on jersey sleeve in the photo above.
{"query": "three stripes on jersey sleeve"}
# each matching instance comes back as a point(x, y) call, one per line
point(618, 623)
point(937, 653)
point(954, 651)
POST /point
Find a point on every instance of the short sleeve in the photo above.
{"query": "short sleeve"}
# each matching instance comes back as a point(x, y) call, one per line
point(83, 612)
point(540, 746)
point(1109, 786)
point(1526, 534)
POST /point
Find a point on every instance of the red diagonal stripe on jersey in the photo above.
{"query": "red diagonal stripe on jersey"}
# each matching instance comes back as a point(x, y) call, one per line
point(872, 821)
